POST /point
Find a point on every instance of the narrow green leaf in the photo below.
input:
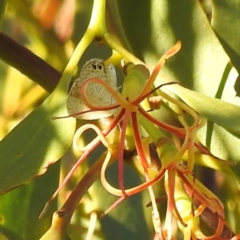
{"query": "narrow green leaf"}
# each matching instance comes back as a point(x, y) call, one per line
point(200, 63)
point(222, 133)
point(36, 142)
point(226, 22)
point(224, 114)
point(20, 208)
point(2, 10)
point(127, 220)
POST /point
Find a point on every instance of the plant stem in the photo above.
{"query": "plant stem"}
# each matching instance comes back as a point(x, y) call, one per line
point(28, 63)
point(122, 51)
point(66, 211)
point(98, 22)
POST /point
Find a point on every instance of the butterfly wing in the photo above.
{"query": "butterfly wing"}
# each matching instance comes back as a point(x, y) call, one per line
point(96, 94)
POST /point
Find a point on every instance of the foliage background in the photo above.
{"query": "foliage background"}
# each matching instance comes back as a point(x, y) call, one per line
point(51, 30)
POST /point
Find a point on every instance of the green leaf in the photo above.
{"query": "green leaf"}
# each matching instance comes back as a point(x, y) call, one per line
point(127, 220)
point(222, 116)
point(2, 10)
point(226, 22)
point(202, 65)
point(36, 142)
point(20, 208)
point(227, 115)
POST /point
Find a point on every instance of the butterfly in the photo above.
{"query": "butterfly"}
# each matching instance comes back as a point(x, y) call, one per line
point(96, 94)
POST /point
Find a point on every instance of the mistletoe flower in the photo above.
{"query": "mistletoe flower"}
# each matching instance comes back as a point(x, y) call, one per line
point(132, 126)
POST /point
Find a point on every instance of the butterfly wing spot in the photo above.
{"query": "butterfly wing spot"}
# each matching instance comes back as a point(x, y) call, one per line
point(96, 94)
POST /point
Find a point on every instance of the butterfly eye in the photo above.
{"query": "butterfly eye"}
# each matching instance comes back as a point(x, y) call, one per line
point(97, 66)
